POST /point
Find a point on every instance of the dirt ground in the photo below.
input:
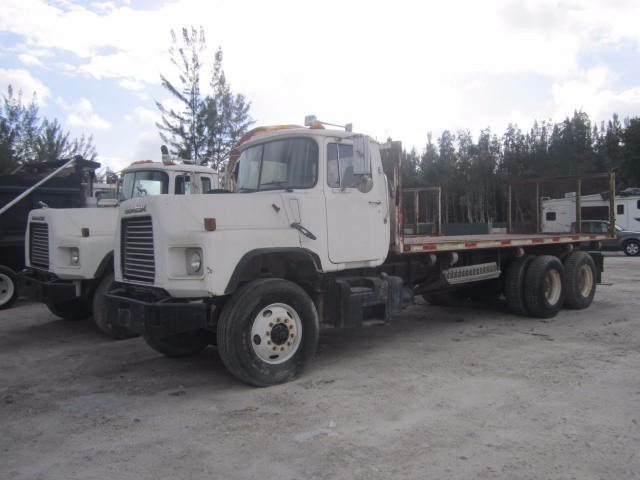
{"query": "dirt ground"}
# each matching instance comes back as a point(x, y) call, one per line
point(441, 393)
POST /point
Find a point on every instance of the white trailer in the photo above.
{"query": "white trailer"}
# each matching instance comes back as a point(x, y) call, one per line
point(69, 252)
point(559, 214)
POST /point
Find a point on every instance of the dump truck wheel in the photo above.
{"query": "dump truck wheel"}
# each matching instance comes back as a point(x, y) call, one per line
point(8, 289)
point(178, 345)
point(109, 326)
point(75, 309)
point(268, 332)
point(543, 292)
point(514, 284)
point(579, 280)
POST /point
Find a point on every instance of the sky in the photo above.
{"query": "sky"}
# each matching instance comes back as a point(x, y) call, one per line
point(395, 69)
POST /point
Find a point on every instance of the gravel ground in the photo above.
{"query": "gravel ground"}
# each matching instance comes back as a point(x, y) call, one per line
point(441, 393)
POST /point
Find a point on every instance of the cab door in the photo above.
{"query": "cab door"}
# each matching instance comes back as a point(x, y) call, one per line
point(356, 206)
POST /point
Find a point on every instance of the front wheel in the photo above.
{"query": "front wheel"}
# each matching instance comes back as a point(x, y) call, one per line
point(179, 345)
point(75, 309)
point(109, 326)
point(632, 248)
point(8, 290)
point(267, 332)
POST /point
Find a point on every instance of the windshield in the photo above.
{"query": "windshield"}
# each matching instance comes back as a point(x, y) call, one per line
point(277, 165)
point(142, 183)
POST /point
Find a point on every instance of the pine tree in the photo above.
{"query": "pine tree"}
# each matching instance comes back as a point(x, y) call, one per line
point(183, 128)
point(226, 116)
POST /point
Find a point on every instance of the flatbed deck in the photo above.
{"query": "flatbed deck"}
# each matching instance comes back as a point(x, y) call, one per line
point(427, 243)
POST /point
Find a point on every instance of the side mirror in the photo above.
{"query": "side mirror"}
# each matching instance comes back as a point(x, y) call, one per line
point(361, 155)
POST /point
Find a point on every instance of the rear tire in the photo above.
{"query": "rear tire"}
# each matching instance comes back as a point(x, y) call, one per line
point(267, 332)
point(75, 309)
point(8, 288)
point(632, 248)
point(543, 292)
point(579, 280)
point(178, 345)
point(514, 284)
point(108, 326)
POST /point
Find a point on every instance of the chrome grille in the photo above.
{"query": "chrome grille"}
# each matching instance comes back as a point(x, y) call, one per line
point(138, 262)
point(39, 244)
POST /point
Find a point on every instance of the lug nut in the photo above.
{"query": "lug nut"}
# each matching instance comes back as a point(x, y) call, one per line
point(268, 343)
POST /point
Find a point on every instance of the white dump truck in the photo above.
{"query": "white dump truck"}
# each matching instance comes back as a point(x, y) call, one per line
point(69, 251)
point(313, 236)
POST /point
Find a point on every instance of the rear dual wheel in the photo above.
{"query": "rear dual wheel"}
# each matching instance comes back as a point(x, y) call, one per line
point(540, 286)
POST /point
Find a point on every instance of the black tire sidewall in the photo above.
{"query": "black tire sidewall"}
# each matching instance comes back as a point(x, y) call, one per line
point(236, 321)
point(514, 284)
point(573, 298)
point(537, 304)
point(13, 278)
point(106, 325)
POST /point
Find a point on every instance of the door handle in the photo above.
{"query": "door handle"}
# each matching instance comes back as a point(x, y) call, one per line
point(375, 203)
point(303, 230)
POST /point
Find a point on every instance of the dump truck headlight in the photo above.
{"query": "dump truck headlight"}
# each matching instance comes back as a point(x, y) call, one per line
point(194, 261)
point(74, 256)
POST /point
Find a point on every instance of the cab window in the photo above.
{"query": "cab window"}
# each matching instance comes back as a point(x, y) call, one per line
point(277, 165)
point(340, 168)
point(143, 183)
point(183, 185)
point(206, 184)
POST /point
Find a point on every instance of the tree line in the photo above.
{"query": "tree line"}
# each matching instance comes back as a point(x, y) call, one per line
point(26, 139)
point(474, 174)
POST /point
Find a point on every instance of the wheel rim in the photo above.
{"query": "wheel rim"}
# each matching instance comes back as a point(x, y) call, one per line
point(276, 333)
point(552, 286)
point(585, 280)
point(632, 248)
point(6, 288)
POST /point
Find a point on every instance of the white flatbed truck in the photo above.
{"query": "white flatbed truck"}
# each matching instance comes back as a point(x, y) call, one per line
point(69, 251)
point(313, 237)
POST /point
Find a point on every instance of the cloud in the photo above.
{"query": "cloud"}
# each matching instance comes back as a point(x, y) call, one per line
point(143, 116)
point(593, 92)
point(30, 60)
point(22, 80)
point(131, 84)
point(81, 114)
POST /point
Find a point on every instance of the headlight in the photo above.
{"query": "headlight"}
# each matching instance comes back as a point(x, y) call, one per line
point(74, 256)
point(194, 260)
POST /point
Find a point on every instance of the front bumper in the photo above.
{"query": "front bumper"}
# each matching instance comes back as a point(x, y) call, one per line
point(44, 287)
point(161, 318)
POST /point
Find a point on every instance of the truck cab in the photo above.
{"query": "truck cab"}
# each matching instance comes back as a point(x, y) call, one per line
point(310, 206)
point(69, 252)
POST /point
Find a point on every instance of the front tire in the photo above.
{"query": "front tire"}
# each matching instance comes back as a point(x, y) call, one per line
point(75, 309)
point(267, 332)
point(632, 248)
point(8, 290)
point(179, 345)
point(543, 292)
point(109, 326)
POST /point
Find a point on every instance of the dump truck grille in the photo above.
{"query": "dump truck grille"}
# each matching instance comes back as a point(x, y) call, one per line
point(138, 261)
point(39, 245)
